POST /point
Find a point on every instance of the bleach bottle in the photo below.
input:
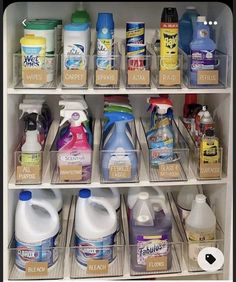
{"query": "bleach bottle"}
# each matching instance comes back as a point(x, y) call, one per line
point(202, 50)
point(95, 228)
point(119, 159)
point(36, 231)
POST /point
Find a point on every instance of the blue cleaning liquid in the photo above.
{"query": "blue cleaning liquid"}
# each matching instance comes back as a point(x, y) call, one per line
point(187, 28)
point(202, 50)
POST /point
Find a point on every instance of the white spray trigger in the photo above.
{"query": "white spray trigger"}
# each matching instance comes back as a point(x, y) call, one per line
point(75, 117)
point(30, 108)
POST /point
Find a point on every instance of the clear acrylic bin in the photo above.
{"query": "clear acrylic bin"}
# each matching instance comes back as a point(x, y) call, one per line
point(96, 268)
point(74, 71)
point(169, 78)
point(120, 168)
point(207, 78)
point(78, 171)
point(202, 171)
point(28, 167)
point(189, 247)
point(40, 270)
point(138, 71)
point(174, 170)
point(41, 72)
point(160, 264)
point(109, 77)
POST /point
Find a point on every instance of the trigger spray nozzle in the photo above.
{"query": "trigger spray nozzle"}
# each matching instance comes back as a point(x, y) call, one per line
point(75, 117)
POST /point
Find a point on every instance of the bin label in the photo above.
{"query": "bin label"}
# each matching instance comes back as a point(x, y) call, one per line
point(156, 263)
point(210, 170)
point(169, 77)
point(106, 77)
point(70, 172)
point(138, 77)
point(207, 77)
point(169, 171)
point(97, 266)
point(30, 173)
point(36, 268)
point(120, 171)
point(72, 77)
point(34, 76)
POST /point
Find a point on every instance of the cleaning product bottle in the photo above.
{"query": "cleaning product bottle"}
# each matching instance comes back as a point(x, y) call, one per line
point(119, 159)
point(155, 194)
point(54, 196)
point(31, 149)
point(77, 151)
point(35, 231)
point(105, 38)
point(200, 226)
point(169, 39)
point(209, 147)
point(197, 123)
point(95, 228)
point(206, 122)
point(185, 199)
point(149, 236)
point(187, 28)
point(202, 50)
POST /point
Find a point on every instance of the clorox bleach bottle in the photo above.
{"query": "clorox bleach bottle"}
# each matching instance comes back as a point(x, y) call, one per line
point(95, 228)
point(35, 231)
point(54, 196)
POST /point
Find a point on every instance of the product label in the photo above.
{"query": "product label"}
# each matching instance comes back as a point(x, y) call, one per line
point(36, 269)
point(98, 266)
point(152, 246)
point(169, 171)
point(33, 57)
point(138, 77)
point(106, 77)
point(71, 172)
point(104, 52)
point(101, 249)
point(203, 60)
point(75, 58)
point(44, 251)
point(210, 170)
point(28, 173)
point(75, 77)
point(34, 76)
point(195, 248)
point(75, 157)
point(207, 77)
point(169, 77)
point(134, 32)
point(30, 159)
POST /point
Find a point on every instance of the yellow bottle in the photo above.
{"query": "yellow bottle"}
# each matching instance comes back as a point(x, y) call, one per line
point(169, 39)
point(209, 148)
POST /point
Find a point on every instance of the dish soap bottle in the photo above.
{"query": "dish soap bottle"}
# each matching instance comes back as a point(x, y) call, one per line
point(200, 226)
point(149, 236)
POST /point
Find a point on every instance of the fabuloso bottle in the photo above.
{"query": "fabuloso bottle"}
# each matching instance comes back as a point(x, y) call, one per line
point(169, 39)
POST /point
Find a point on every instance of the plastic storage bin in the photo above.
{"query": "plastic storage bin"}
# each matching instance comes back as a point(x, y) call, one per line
point(175, 170)
point(160, 264)
point(74, 76)
point(120, 169)
point(202, 171)
point(207, 78)
point(110, 77)
point(217, 243)
point(34, 76)
point(40, 270)
point(98, 268)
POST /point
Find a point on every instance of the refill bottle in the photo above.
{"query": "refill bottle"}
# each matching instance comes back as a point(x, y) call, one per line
point(149, 235)
point(36, 231)
point(202, 50)
point(187, 28)
point(95, 228)
point(200, 226)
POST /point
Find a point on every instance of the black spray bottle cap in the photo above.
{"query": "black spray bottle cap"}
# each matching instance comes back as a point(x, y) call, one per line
point(210, 132)
point(169, 15)
point(31, 121)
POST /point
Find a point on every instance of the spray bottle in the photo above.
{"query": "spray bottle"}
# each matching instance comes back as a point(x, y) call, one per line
point(119, 160)
point(77, 151)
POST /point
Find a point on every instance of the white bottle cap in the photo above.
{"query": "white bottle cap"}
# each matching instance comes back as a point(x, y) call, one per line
point(200, 198)
point(201, 19)
point(190, 8)
point(143, 196)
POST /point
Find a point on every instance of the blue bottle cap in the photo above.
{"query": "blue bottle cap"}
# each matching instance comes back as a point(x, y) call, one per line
point(25, 196)
point(105, 20)
point(84, 193)
point(76, 26)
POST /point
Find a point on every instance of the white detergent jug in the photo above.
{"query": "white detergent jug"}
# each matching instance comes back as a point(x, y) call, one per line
point(95, 228)
point(54, 196)
point(36, 232)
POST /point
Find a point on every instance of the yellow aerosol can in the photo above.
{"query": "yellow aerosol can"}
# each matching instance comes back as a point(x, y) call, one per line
point(169, 39)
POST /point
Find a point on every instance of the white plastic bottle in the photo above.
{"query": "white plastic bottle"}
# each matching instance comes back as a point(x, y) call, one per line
point(35, 231)
point(200, 226)
point(185, 199)
point(94, 228)
point(54, 196)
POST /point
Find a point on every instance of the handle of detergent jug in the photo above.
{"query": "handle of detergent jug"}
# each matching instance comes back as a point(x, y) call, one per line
point(48, 207)
point(106, 204)
point(162, 204)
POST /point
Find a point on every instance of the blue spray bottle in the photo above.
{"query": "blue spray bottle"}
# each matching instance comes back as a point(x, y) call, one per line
point(119, 160)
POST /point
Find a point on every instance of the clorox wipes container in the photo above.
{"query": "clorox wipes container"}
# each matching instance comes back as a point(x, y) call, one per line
point(95, 228)
point(36, 231)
